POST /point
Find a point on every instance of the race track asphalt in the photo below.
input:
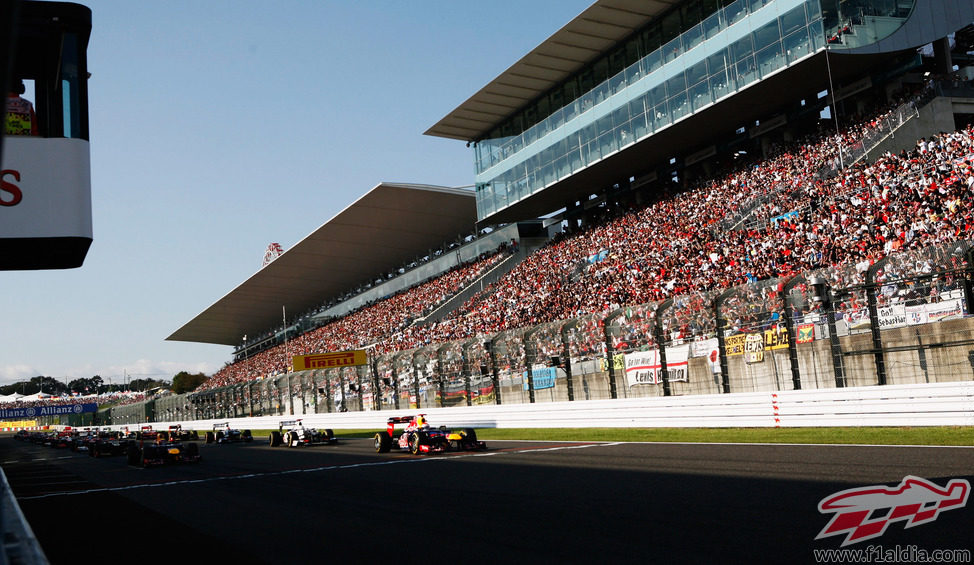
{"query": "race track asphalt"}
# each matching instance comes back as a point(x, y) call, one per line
point(518, 502)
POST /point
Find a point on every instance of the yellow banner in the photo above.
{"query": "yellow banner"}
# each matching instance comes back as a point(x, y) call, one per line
point(330, 360)
point(18, 424)
point(773, 339)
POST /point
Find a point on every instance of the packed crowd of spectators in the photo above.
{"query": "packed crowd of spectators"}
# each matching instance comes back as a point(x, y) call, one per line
point(368, 325)
point(670, 248)
point(117, 398)
point(678, 247)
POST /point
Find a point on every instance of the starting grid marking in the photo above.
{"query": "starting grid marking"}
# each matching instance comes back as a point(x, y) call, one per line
point(315, 470)
point(13, 461)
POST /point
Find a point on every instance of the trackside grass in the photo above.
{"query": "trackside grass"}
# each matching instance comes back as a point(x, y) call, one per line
point(957, 435)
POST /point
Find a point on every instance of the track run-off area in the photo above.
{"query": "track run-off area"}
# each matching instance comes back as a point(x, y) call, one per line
point(519, 501)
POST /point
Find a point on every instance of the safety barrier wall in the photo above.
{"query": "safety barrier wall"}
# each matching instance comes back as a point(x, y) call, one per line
point(937, 404)
point(19, 544)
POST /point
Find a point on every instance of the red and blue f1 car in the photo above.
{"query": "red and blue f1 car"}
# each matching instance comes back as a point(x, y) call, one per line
point(418, 437)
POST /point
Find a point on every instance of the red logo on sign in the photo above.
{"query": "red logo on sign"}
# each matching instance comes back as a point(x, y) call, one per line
point(10, 188)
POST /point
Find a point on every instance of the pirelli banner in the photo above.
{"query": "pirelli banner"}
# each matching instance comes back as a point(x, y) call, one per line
point(329, 360)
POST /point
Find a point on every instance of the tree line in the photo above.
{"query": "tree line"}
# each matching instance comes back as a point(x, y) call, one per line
point(181, 383)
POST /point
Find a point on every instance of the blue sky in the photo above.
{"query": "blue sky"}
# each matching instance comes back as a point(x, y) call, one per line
point(218, 127)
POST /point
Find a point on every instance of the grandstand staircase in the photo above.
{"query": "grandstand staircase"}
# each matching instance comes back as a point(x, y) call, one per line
point(473, 288)
point(879, 136)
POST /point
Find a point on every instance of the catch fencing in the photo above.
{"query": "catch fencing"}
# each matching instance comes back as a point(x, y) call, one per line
point(902, 320)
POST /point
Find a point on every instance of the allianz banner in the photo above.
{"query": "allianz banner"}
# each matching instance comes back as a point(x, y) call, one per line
point(38, 411)
point(329, 360)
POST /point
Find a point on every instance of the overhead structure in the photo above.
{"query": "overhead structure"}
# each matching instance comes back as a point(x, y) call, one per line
point(385, 228)
point(631, 91)
point(597, 29)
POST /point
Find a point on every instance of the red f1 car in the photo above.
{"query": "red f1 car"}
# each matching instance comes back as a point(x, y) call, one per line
point(418, 437)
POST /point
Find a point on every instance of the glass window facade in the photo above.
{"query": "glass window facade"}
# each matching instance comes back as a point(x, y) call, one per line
point(724, 50)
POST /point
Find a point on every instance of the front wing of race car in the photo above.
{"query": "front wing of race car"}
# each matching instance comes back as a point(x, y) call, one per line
point(154, 455)
point(465, 440)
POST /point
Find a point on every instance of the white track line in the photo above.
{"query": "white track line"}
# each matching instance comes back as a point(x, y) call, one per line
point(310, 470)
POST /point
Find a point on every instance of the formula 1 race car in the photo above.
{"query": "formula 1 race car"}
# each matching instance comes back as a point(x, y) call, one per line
point(107, 443)
point(146, 453)
point(222, 433)
point(293, 433)
point(177, 432)
point(418, 437)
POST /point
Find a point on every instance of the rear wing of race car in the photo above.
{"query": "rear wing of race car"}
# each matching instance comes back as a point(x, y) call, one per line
point(402, 419)
point(222, 426)
point(391, 427)
point(289, 423)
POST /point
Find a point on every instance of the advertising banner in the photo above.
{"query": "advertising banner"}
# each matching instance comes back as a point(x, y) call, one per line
point(329, 360)
point(710, 349)
point(38, 411)
point(945, 310)
point(39, 199)
point(753, 348)
point(806, 333)
point(892, 316)
point(542, 377)
point(645, 368)
point(776, 338)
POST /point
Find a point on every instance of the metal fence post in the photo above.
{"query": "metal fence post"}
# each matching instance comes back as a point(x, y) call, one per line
point(494, 370)
point(823, 293)
point(376, 387)
point(721, 344)
point(568, 358)
point(877, 338)
point(796, 377)
point(530, 353)
point(609, 352)
point(660, 340)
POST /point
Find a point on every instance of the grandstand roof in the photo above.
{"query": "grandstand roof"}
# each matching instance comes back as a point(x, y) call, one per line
point(601, 26)
point(383, 229)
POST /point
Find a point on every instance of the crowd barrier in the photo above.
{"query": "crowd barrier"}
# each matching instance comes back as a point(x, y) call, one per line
point(19, 544)
point(937, 404)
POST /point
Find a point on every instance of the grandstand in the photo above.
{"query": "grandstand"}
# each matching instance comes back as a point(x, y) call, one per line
point(747, 195)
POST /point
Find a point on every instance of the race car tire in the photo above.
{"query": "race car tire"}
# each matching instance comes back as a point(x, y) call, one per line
point(247, 435)
point(469, 435)
point(287, 439)
point(329, 434)
point(383, 442)
point(163, 436)
point(417, 440)
point(275, 439)
point(220, 436)
point(210, 438)
point(194, 435)
point(134, 456)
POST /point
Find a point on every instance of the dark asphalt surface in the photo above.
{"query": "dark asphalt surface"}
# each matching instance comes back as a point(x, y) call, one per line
point(519, 502)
